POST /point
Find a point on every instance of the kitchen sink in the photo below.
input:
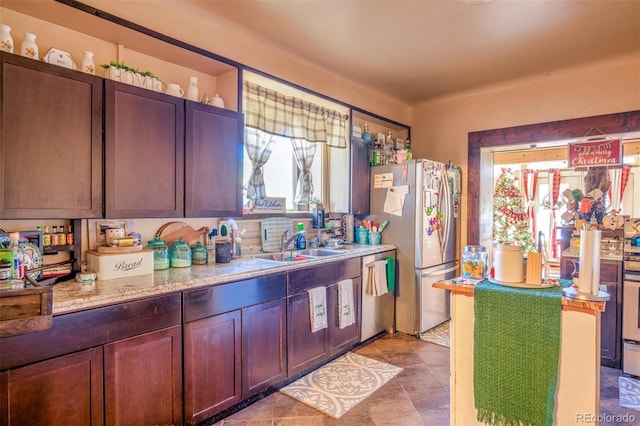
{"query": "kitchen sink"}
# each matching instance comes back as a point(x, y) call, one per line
point(318, 252)
point(298, 255)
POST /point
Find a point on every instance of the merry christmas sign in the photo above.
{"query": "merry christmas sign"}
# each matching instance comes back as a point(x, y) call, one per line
point(595, 154)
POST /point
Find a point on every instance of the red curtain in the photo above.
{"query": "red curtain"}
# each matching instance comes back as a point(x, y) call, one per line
point(555, 192)
point(530, 188)
point(624, 178)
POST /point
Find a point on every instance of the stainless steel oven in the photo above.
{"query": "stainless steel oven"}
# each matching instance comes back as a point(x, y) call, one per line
point(631, 310)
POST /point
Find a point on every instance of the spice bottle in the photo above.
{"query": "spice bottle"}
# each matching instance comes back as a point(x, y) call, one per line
point(62, 236)
point(54, 236)
point(18, 255)
point(69, 234)
point(46, 237)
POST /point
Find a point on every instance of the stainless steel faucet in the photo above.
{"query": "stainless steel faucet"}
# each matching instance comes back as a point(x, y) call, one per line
point(285, 243)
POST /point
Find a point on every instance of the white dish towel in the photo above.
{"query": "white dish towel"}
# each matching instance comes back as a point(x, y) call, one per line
point(345, 303)
point(377, 283)
point(318, 308)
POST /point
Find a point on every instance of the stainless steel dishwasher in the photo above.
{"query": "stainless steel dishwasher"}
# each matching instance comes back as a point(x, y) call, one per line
point(378, 312)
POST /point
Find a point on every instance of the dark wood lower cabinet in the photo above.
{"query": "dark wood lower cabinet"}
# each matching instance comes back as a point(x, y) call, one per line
point(66, 390)
point(264, 356)
point(342, 339)
point(143, 379)
point(307, 349)
point(234, 343)
point(211, 365)
point(179, 358)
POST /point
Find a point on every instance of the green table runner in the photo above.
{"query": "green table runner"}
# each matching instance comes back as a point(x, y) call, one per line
point(516, 351)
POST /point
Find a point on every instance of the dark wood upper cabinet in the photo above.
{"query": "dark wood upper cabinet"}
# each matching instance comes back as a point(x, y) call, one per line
point(144, 153)
point(50, 141)
point(213, 161)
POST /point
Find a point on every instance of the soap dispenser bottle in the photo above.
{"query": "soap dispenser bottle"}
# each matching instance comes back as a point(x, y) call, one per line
point(301, 241)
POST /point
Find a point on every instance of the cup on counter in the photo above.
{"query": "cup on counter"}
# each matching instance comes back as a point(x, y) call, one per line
point(174, 89)
point(375, 238)
point(362, 235)
point(223, 251)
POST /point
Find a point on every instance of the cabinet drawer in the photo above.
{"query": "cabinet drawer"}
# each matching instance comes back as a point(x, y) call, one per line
point(609, 271)
point(86, 329)
point(222, 298)
point(305, 279)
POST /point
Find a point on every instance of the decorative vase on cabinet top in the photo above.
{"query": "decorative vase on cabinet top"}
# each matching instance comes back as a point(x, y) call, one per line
point(29, 48)
point(88, 65)
point(192, 89)
point(6, 41)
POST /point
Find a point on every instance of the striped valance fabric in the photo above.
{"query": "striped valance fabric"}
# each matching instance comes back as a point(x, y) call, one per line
point(277, 114)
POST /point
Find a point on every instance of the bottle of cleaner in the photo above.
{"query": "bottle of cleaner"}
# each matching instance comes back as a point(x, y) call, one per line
point(301, 241)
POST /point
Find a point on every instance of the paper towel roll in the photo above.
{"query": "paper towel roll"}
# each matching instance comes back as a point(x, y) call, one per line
point(586, 261)
point(595, 264)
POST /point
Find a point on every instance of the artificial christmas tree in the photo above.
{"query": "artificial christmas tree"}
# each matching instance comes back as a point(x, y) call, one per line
point(510, 224)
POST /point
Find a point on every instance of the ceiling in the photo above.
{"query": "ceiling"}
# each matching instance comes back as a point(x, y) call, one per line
point(421, 49)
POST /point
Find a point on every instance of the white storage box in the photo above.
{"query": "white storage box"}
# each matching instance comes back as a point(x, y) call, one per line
point(108, 266)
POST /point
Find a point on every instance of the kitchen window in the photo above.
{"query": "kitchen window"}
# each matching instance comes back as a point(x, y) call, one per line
point(293, 143)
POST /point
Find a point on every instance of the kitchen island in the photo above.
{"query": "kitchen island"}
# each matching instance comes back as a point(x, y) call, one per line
point(578, 380)
point(179, 346)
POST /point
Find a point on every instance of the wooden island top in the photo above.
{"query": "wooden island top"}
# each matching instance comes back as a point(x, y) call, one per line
point(567, 303)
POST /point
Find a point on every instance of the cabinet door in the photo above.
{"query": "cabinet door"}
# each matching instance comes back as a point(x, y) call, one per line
point(143, 379)
point(212, 362)
point(50, 140)
point(342, 339)
point(213, 162)
point(66, 390)
point(144, 153)
point(360, 171)
point(263, 346)
point(304, 348)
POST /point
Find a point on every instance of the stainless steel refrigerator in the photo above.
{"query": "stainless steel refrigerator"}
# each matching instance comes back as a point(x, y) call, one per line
point(416, 198)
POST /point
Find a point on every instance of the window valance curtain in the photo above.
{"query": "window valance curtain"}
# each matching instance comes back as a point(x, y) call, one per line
point(277, 114)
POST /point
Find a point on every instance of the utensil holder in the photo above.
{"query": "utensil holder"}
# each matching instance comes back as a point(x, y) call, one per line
point(375, 238)
point(362, 235)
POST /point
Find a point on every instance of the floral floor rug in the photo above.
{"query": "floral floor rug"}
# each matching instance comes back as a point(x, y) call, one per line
point(438, 335)
point(629, 392)
point(342, 384)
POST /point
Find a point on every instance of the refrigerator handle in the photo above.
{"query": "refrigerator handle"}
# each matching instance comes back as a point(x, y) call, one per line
point(439, 271)
point(446, 207)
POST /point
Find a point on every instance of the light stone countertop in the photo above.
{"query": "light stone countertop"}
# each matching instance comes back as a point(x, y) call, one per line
point(70, 296)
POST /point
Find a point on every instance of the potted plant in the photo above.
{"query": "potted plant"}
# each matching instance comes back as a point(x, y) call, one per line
point(118, 71)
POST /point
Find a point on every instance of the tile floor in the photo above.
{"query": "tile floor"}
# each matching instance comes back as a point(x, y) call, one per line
point(419, 395)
